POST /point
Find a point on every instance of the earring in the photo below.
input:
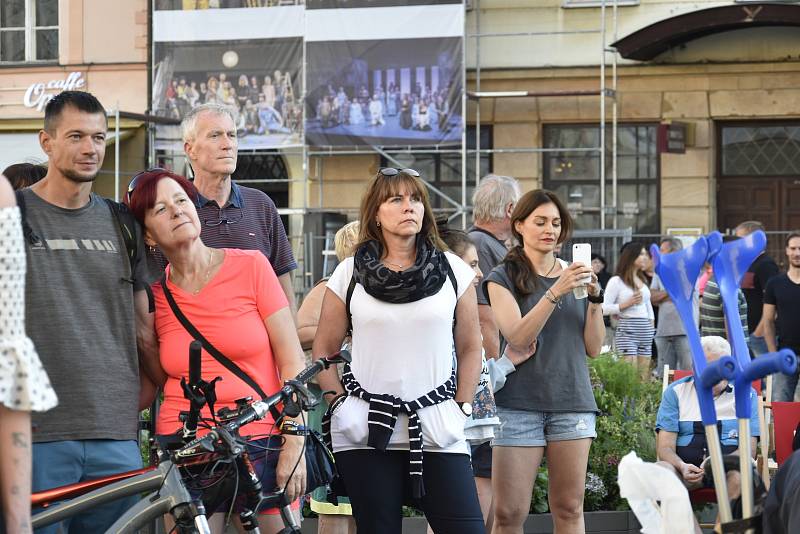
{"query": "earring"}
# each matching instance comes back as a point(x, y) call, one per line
point(151, 249)
point(378, 223)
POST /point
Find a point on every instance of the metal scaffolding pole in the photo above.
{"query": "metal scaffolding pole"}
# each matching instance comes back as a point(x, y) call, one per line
point(603, 115)
point(464, 125)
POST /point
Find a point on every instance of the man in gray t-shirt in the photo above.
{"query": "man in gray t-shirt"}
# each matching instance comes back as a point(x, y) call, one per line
point(493, 201)
point(671, 341)
point(83, 295)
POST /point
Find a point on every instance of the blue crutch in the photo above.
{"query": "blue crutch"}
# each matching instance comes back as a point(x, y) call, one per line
point(731, 261)
point(678, 272)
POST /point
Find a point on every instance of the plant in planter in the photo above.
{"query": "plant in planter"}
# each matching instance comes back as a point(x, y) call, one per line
point(626, 422)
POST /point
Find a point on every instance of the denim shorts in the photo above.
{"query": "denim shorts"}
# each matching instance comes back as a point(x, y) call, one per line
point(519, 428)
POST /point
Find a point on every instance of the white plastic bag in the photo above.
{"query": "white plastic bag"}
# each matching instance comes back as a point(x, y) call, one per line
point(644, 483)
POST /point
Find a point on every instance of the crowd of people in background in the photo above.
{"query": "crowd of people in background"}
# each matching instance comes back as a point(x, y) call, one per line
point(265, 104)
point(424, 108)
point(469, 349)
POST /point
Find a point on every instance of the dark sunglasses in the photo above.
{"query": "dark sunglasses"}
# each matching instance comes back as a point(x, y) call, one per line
point(222, 220)
point(135, 179)
point(391, 171)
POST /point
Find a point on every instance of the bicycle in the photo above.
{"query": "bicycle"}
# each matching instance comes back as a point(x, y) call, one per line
point(168, 491)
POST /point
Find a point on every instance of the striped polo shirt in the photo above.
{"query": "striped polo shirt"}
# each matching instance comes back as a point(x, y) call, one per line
point(712, 318)
point(248, 221)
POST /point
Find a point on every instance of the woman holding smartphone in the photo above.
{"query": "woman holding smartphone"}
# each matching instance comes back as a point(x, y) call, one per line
point(547, 406)
point(628, 297)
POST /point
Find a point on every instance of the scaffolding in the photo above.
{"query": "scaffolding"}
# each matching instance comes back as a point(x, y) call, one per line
point(607, 92)
point(459, 207)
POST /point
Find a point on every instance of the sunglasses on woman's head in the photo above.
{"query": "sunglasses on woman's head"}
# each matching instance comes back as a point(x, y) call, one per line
point(135, 179)
point(391, 171)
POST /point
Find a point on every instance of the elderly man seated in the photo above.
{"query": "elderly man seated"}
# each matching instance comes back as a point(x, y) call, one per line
point(681, 442)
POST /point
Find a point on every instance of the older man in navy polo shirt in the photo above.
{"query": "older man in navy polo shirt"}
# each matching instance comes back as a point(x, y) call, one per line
point(232, 216)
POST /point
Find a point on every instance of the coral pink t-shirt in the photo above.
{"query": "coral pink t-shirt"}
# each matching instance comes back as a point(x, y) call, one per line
point(230, 312)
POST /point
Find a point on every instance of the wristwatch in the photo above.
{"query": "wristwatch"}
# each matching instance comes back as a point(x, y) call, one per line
point(466, 408)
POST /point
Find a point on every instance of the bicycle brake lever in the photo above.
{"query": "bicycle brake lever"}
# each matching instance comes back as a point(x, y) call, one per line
point(230, 442)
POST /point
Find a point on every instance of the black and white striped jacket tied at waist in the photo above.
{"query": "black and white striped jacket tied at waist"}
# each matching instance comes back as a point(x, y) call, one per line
point(383, 412)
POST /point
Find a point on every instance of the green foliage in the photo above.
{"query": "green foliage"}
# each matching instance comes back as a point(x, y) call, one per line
point(626, 423)
point(539, 504)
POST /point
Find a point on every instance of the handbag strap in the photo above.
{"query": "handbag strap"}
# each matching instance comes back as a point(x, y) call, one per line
point(211, 349)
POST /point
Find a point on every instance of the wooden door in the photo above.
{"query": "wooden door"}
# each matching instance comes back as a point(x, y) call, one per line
point(742, 199)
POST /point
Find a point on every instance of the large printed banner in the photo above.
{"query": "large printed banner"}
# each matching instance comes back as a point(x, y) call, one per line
point(378, 72)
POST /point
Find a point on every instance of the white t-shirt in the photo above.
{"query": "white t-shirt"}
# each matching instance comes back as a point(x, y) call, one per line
point(618, 292)
point(405, 350)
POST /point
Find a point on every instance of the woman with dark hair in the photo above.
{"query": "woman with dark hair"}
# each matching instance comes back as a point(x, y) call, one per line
point(547, 406)
point(233, 298)
point(628, 297)
point(22, 175)
point(396, 418)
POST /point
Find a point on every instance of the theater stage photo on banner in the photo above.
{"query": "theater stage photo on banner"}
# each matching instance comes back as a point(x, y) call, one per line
point(259, 78)
point(389, 92)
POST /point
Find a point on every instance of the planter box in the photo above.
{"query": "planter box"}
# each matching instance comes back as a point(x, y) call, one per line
point(596, 522)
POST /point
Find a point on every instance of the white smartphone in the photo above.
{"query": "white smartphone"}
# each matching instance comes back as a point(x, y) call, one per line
point(582, 253)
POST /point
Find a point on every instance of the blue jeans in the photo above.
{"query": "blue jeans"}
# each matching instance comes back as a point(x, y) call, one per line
point(758, 345)
point(57, 463)
point(673, 351)
point(784, 387)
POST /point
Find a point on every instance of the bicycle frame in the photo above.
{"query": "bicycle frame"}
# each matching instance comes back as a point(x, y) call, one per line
point(170, 497)
point(46, 498)
point(167, 491)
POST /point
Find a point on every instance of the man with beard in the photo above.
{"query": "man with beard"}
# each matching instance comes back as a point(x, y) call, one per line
point(782, 298)
point(83, 294)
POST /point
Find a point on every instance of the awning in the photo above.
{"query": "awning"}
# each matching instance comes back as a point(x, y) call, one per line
point(649, 42)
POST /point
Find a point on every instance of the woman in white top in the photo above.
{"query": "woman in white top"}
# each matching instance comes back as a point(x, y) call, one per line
point(396, 419)
point(24, 385)
point(628, 297)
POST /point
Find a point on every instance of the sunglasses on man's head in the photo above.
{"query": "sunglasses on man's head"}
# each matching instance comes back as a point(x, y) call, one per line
point(391, 171)
point(135, 179)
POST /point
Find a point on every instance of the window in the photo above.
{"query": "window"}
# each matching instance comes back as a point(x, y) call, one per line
point(765, 149)
point(575, 174)
point(28, 30)
point(443, 171)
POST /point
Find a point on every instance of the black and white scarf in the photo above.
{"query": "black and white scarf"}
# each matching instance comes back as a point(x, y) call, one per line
point(421, 280)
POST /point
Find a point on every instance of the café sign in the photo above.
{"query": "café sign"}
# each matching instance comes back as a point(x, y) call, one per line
point(39, 94)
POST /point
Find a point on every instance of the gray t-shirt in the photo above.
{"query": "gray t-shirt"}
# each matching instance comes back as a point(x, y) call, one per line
point(80, 316)
point(556, 378)
point(491, 252)
point(669, 321)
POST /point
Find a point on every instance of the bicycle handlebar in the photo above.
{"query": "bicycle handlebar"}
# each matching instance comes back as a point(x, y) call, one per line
point(259, 409)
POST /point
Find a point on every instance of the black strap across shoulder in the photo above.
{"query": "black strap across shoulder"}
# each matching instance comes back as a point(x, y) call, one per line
point(211, 349)
point(122, 215)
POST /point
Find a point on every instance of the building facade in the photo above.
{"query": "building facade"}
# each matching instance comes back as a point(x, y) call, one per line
point(99, 46)
point(728, 72)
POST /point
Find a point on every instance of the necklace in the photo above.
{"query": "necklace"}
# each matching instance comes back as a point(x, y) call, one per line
point(400, 266)
point(551, 268)
point(208, 272)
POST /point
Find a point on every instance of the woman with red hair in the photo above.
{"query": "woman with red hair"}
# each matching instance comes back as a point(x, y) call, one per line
point(233, 298)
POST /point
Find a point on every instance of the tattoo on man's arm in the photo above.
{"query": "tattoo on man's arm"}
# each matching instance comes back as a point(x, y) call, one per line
point(18, 440)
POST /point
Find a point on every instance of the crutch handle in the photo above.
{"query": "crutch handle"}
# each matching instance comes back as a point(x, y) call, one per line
point(722, 369)
point(784, 361)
